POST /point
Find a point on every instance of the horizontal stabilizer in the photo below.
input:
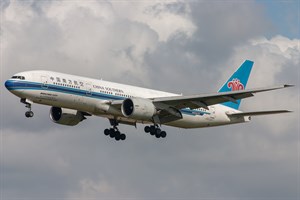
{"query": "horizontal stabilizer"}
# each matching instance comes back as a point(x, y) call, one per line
point(270, 112)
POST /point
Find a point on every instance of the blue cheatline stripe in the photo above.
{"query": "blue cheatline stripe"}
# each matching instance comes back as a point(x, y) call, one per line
point(193, 112)
point(26, 85)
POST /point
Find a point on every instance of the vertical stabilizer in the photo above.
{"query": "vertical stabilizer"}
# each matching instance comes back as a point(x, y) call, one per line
point(237, 81)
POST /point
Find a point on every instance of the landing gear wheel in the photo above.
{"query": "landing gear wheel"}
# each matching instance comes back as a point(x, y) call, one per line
point(106, 132)
point(29, 114)
point(152, 130)
point(117, 137)
point(155, 131)
point(163, 134)
point(122, 136)
point(152, 133)
point(112, 133)
point(147, 129)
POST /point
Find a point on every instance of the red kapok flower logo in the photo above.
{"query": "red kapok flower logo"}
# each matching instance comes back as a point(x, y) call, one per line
point(235, 84)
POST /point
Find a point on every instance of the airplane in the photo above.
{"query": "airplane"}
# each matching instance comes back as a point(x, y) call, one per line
point(73, 98)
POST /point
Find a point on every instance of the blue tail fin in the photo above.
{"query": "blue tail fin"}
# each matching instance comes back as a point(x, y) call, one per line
point(237, 81)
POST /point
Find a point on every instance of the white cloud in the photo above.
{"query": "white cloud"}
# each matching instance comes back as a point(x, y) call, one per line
point(284, 44)
point(18, 12)
point(72, 35)
point(165, 18)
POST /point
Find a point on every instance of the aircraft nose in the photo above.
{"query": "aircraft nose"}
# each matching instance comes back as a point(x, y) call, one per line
point(8, 84)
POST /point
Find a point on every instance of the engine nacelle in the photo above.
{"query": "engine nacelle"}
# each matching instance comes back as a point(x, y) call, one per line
point(138, 108)
point(65, 116)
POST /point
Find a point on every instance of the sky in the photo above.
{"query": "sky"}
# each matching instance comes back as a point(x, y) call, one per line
point(188, 47)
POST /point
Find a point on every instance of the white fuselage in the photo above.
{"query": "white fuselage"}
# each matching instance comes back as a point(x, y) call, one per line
point(92, 96)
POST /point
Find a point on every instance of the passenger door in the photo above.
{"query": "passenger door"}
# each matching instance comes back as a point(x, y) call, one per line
point(88, 87)
point(44, 80)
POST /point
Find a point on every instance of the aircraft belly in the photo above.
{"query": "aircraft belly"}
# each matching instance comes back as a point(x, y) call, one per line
point(50, 98)
point(59, 99)
point(197, 121)
point(19, 93)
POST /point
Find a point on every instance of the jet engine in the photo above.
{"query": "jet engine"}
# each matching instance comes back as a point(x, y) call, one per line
point(66, 116)
point(138, 108)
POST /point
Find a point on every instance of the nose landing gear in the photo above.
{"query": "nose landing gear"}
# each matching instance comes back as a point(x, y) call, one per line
point(27, 103)
point(29, 114)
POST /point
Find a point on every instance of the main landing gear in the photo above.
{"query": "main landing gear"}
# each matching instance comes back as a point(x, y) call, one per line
point(155, 130)
point(114, 131)
point(28, 113)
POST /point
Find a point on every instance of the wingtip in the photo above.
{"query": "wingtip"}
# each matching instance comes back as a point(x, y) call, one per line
point(286, 111)
point(288, 85)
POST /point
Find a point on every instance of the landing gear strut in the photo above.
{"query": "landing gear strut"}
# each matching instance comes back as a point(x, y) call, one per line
point(155, 130)
point(28, 113)
point(114, 131)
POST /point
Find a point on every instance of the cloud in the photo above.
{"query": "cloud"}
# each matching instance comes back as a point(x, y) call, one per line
point(76, 31)
point(276, 62)
point(189, 47)
point(165, 18)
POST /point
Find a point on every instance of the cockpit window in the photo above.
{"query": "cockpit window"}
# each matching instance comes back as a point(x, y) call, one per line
point(18, 77)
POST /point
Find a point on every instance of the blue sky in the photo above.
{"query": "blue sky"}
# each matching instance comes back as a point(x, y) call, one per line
point(284, 16)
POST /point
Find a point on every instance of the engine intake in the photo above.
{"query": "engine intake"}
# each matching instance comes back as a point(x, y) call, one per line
point(138, 108)
point(66, 116)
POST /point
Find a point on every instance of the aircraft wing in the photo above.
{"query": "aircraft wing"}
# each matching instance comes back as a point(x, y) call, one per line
point(170, 106)
point(205, 100)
